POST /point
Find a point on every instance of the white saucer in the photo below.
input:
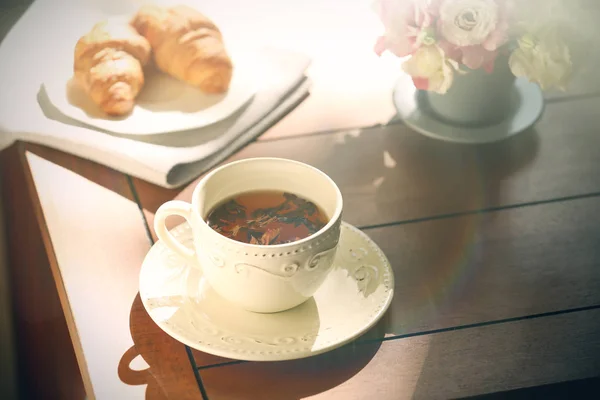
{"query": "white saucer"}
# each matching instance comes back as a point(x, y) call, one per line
point(527, 107)
point(353, 298)
point(164, 104)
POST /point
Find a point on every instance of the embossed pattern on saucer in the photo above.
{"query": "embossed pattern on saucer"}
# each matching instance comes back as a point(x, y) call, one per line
point(353, 298)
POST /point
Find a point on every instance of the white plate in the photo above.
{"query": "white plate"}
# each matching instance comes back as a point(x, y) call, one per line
point(526, 108)
point(353, 298)
point(164, 104)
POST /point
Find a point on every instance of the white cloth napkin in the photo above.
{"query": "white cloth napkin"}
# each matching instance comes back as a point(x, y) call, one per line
point(169, 160)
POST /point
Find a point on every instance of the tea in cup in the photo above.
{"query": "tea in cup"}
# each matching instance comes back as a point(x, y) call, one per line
point(265, 231)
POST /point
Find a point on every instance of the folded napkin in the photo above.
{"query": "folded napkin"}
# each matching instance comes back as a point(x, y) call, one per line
point(169, 160)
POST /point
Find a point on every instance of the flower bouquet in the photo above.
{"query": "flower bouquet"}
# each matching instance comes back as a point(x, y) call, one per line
point(444, 39)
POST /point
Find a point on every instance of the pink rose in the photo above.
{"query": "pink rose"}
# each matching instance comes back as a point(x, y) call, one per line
point(408, 25)
point(473, 57)
point(473, 30)
point(474, 22)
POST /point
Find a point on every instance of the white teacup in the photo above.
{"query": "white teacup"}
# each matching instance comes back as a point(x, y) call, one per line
point(259, 278)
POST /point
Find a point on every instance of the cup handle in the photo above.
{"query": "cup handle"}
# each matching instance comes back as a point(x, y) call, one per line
point(179, 208)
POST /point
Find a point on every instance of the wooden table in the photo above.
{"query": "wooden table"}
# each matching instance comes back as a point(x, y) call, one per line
point(495, 249)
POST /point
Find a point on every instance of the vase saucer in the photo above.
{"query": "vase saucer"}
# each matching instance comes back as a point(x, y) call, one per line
point(527, 105)
point(354, 296)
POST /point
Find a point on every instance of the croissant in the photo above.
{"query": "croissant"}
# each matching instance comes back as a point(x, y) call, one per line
point(109, 64)
point(186, 45)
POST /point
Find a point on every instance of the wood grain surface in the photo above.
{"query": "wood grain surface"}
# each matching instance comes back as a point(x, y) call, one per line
point(97, 240)
point(486, 267)
point(392, 174)
point(439, 365)
point(492, 266)
point(46, 360)
point(397, 175)
point(456, 270)
point(534, 259)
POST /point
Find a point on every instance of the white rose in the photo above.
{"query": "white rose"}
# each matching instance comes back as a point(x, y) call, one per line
point(429, 66)
point(468, 22)
point(542, 58)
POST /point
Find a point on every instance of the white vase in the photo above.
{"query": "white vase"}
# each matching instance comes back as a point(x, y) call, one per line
point(477, 98)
